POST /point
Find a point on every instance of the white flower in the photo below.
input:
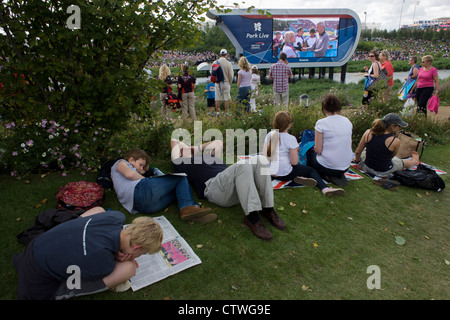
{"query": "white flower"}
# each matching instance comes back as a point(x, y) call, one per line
point(22, 145)
point(43, 155)
point(50, 136)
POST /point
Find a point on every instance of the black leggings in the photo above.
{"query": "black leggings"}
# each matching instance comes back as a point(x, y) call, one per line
point(422, 97)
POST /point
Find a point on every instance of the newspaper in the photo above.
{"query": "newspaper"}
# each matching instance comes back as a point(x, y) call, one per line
point(175, 256)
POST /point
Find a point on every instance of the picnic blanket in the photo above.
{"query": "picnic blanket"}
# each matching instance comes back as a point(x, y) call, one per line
point(278, 184)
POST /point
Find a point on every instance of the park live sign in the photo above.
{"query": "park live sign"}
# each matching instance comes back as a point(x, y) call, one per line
point(309, 37)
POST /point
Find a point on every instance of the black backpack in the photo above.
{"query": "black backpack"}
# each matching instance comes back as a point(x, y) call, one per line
point(423, 177)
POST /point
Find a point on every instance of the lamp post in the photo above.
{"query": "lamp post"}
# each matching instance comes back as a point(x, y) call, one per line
point(401, 11)
point(365, 20)
point(414, 14)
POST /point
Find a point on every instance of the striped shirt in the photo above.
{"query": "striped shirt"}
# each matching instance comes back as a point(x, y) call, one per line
point(280, 73)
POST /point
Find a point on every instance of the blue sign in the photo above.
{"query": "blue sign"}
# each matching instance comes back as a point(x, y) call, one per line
point(309, 37)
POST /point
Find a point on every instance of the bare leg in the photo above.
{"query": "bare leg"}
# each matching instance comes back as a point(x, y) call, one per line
point(413, 162)
point(92, 211)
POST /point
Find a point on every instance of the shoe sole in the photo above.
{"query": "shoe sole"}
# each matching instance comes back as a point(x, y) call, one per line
point(195, 215)
point(307, 182)
point(210, 217)
point(336, 192)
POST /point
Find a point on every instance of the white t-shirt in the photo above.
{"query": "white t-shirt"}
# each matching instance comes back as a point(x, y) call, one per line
point(280, 164)
point(337, 142)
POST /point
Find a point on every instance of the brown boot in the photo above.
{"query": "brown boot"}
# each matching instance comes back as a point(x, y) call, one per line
point(191, 212)
point(258, 229)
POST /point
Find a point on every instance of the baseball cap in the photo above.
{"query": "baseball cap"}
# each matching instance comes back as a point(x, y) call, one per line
point(393, 118)
point(223, 52)
point(255, 67)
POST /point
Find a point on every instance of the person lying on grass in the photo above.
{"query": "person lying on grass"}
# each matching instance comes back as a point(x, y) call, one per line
point(86, 255)
point(378, 146)
point(152, 194)
point(281, 148)
point(245, 182)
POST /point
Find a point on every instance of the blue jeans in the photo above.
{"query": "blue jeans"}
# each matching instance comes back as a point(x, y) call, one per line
point(153, 194)
point(304, 171)
point(244, 97)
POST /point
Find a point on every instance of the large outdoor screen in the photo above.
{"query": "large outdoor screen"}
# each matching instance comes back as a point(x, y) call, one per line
point(309, 37)
point(303, 37)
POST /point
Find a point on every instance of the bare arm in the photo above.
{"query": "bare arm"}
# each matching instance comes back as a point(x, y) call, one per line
point(127, 172)
point(318, 144)
point(293, 155)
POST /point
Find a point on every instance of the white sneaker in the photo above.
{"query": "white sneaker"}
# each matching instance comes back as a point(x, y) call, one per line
point(328, 192)
point(307, 182)
point(121, 287)
point(218, 114)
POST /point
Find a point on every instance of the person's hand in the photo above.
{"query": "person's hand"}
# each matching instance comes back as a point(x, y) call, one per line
point(121, 256)
point(365, 68)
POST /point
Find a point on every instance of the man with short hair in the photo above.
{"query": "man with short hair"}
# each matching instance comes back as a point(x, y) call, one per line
point(246, 182)
point(280, 73)
point(85, 255)
point(320, 46)
point(223, 88)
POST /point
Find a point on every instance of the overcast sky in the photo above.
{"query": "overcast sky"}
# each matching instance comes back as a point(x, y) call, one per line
point(386, 12)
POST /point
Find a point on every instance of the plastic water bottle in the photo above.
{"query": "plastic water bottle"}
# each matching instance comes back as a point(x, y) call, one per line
point(157, 172)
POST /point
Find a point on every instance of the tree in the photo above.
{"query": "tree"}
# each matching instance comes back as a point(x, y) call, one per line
point(95, 73)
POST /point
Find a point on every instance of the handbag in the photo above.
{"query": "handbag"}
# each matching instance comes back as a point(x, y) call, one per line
point(408, 143)
point(433, 104)
point(378, 83)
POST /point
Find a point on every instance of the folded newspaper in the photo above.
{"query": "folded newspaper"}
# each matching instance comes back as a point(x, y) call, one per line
point(175, 256)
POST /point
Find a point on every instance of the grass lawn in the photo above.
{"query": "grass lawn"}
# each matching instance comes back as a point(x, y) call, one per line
point(323, 254)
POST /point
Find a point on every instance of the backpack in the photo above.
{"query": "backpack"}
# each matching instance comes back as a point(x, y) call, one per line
point(307, 141)
point(104, 174)
point(79, 195)
point(217, 73)
point(423, 177)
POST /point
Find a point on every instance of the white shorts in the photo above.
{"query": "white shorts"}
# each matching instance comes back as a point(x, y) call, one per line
point(223, 91)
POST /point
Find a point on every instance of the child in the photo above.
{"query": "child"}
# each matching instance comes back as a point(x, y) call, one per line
point(211, 96)
point(255, 84)
point(281, 148)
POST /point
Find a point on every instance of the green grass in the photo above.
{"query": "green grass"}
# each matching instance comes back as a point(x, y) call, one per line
point(351, 233)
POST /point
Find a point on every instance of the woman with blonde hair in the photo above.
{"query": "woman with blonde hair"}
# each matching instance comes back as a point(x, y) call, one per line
point(244, 83)
point(164, 75)
point(378, 146)
point(281, 148)
point(427, 83)
point(288, 47)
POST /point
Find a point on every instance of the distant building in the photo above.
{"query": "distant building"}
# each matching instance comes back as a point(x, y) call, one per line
point(439, 23)
point(370, 26)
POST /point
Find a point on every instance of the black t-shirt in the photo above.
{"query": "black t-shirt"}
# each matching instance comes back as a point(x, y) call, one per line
point(88, 242)
point(199, 170)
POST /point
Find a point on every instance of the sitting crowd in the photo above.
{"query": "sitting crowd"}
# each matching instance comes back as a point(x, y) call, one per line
point(106, 251)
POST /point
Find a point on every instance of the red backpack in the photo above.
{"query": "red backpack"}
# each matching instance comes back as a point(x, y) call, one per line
point(80, 195)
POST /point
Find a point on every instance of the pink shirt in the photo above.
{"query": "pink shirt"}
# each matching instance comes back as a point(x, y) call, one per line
point(390, 69)
point(425, 78)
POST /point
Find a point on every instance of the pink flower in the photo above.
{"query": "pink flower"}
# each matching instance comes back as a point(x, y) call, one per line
point(14, 153)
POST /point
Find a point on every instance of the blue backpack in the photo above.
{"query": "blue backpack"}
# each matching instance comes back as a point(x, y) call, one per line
point(306, 143)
